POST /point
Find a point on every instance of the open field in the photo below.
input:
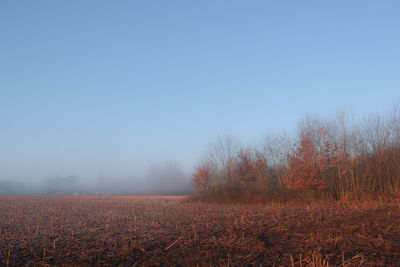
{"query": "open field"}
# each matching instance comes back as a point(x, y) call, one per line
point(142, 231)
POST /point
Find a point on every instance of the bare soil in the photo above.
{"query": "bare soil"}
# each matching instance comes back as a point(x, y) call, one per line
point(151, 231)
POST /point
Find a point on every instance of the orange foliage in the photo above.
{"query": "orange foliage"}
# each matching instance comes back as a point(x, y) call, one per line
point(308, 164)
point(201, 177)
point(244, 168)
point(252, 167)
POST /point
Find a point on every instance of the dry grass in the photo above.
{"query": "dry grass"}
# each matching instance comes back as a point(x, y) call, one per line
point(143, 231)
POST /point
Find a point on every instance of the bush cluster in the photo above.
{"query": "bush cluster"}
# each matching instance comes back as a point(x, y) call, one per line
point(337, 158)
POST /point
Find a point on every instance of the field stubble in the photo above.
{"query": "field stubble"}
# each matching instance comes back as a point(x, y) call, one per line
point(150, 231)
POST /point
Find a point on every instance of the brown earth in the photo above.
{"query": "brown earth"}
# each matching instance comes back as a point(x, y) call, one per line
point(151, 231)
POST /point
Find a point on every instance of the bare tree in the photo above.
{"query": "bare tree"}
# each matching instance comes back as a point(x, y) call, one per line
point(222, 155)
point(275, 149)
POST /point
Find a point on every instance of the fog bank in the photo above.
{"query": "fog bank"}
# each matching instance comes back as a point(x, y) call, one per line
point(167, 179)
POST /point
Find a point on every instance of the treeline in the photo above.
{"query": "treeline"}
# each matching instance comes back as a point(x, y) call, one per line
point(165, 179)
point(12, 188)
point(55, 186)
point(336, 158)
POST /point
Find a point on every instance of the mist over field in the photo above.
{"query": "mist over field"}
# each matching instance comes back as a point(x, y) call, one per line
point(166, 179)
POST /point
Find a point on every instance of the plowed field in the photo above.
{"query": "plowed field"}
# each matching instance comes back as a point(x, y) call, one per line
point(151, 231)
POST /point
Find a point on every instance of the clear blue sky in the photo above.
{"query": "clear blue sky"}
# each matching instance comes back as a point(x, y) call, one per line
point(115, 86)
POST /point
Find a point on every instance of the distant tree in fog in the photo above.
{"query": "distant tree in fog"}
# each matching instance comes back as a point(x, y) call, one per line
point(168, 179)
point(62, 185)
point(11, 188)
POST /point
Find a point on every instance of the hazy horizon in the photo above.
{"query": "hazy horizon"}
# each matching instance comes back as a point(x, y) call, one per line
point(118, 87)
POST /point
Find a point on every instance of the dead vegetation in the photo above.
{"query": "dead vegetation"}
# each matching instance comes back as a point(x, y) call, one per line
point(337, 158)
point(151, 231)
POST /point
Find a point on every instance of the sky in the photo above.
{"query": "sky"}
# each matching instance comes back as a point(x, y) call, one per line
point(117, 86)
